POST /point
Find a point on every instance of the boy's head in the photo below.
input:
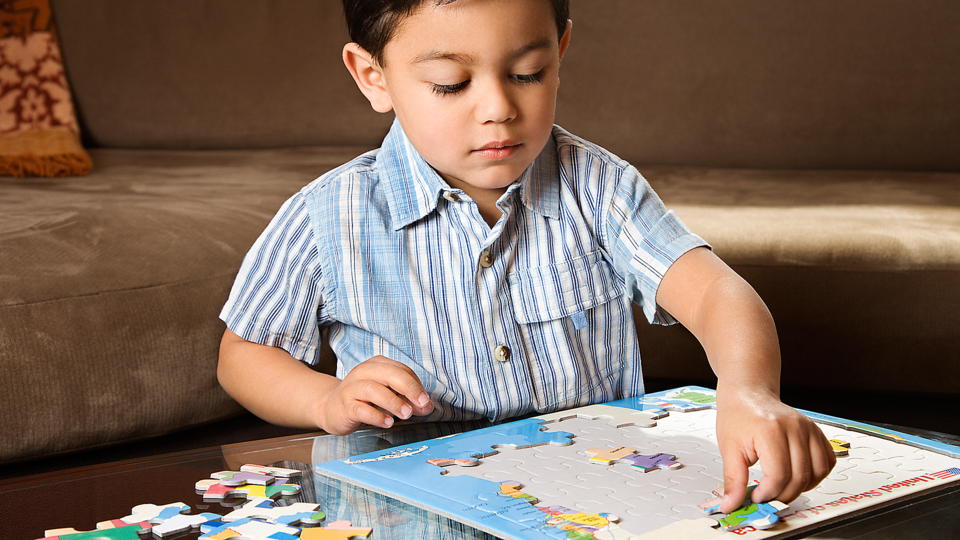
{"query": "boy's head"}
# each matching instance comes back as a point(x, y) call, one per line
point(462, 75)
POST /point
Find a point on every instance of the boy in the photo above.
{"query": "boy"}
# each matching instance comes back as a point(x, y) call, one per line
point(482, 261)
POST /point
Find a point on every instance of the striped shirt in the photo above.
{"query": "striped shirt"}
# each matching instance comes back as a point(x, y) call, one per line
point(532, 314)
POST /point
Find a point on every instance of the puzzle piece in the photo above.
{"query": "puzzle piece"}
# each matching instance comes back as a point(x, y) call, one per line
point(182, 523)
point(629, 455)
point(279, 472)
point(647, 463)
point(840, 448)
point(250, 529)
point(448, 462)
point(213, 489)
point(235, 478)
point(264, 508)
point(337, 530)
point(125, 532)
point(154, 513)
point(756, 515)
point(610, 455)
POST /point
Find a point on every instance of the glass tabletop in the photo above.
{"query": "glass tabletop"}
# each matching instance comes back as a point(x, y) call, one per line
point(83, 496)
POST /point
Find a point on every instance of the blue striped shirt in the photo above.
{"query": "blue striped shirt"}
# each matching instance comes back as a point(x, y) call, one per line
point(531, 314)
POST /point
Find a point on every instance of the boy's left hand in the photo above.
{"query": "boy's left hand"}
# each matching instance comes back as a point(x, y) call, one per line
point(754, 425)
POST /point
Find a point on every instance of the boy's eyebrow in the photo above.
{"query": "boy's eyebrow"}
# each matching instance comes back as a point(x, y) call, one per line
point(468, 59)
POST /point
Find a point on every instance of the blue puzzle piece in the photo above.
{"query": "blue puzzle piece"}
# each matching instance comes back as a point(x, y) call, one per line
point(239, 526)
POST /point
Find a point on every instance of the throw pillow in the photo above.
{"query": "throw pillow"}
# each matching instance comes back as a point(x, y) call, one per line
point(39, 135)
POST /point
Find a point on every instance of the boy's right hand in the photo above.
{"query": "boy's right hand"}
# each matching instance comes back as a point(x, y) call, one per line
point(370, 394)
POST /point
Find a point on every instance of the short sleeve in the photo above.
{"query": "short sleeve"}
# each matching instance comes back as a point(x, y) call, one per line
point(276, 299)
point(643, 239)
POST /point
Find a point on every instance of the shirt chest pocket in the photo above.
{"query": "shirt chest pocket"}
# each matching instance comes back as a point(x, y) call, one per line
point(565, 289)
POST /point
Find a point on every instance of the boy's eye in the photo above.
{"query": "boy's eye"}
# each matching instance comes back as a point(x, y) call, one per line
point(446, 89)
point(530, 78)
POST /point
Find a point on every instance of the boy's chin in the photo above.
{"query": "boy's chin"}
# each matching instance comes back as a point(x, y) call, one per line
point(499, 177)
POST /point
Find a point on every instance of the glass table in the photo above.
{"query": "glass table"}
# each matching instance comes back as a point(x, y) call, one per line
point(83, 496)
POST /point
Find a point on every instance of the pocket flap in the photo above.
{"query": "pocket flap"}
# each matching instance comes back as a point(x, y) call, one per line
point(563, 289)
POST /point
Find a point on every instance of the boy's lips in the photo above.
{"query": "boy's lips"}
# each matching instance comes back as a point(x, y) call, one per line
point(497, 150)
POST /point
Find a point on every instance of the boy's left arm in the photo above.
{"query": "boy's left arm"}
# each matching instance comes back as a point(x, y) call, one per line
point(737, 332)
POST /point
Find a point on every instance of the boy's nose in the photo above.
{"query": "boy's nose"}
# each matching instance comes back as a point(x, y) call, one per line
point(496, 105)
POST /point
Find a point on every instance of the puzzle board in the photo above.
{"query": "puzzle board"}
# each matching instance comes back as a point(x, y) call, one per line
point(536, 478)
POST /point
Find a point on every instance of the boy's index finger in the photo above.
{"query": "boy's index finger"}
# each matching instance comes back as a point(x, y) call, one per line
point(406, 383)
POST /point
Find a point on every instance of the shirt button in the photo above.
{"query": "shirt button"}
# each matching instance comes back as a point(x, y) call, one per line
point(450, 196)
point(502, 353)
point(486, 259)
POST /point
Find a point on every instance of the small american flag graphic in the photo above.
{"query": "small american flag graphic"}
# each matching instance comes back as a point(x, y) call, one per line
point(946, 473)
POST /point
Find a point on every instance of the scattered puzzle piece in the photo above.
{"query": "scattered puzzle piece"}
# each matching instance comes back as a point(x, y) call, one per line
point(279, 472)
point(182, 523)
point(154, 513)
point(337, 530)
point(126, 532)
point(213, 489)
point(250, 529)
point(266, 509)
point(235, 478)
point(840, 448)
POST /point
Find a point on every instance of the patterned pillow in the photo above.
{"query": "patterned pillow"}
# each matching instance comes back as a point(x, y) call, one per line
point(38, 130)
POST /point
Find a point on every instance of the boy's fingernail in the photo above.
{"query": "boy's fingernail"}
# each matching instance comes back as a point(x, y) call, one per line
point(388, 422)
point(423, 399)
point(405, 412)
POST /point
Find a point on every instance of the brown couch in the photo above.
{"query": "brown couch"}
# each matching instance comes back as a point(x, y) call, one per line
point(815, 144)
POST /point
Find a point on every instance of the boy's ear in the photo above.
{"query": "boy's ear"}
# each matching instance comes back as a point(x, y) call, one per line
point(565, 38)
point(368, 75)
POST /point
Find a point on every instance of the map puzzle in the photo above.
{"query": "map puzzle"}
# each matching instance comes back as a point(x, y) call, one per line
point(633, 469)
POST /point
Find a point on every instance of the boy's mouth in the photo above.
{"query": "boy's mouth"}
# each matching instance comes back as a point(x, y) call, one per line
point(497, 150)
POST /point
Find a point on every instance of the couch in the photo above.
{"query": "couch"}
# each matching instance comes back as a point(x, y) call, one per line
point(815, 144)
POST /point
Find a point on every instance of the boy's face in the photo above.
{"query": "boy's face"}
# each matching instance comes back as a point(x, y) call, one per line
point(473, 74)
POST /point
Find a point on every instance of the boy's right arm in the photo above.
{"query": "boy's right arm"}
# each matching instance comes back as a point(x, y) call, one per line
point(283, 390)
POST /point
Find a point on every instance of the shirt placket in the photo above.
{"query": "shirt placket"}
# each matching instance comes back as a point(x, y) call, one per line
point(504, 347)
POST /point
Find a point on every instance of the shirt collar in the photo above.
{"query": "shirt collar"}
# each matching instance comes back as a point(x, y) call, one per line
point(415, 187)
point(541, 182)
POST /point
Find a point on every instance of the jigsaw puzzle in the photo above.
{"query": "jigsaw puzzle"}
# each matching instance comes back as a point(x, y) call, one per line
point(635, 468)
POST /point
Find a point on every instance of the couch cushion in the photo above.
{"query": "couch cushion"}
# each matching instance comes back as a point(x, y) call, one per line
point(861, 270)
point(110, 288)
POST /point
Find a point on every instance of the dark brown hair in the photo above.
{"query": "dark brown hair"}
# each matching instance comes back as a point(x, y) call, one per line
point(371, 23)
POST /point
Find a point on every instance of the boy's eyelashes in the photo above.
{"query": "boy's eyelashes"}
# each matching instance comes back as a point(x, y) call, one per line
point(447, 89)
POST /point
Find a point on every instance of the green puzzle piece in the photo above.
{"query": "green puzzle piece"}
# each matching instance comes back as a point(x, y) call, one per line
point(738, 516)
point(130, 532)
point(695, 397)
